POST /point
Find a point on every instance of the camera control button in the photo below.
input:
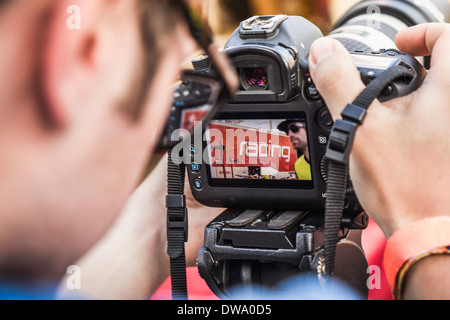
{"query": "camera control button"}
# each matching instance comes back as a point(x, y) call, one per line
point(322, 139)
point(325, 118)
point(195, 167)
point(193, 149)
point(387, 91)
point(198, 184)
point(312, 92)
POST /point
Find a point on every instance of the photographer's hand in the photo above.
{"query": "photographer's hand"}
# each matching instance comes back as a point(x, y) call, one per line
point(400, 162)
point(131, 260)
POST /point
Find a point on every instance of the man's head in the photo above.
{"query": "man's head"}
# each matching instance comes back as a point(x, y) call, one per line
point(296, 130)
point(81, 107)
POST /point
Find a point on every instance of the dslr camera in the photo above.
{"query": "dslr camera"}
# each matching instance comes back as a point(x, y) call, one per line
point(263, 156)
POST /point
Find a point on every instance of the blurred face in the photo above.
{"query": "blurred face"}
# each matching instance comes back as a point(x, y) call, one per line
point(297, 133)
point(70, 153)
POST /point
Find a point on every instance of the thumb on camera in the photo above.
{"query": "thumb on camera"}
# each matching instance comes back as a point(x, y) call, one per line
point(334, 74)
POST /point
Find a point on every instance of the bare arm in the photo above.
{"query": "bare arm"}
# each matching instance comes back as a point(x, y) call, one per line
point(400, 162)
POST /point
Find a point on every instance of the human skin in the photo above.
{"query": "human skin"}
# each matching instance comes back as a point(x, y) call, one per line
point(299, 139)
point(400, 161)
point(69, 156)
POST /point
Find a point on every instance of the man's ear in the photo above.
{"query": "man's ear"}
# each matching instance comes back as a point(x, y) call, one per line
point(90, 56)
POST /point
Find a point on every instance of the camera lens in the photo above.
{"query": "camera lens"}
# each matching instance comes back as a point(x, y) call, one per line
point(372, 25)
point(255, 78)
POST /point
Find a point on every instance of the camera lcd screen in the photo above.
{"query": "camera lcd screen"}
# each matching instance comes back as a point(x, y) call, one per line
point(259, 152)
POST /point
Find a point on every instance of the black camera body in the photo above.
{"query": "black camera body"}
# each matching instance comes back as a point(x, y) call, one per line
point(263, 156)
point(271, 57)
point(273, 227)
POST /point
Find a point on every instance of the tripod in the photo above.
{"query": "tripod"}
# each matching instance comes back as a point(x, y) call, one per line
point(259, 249)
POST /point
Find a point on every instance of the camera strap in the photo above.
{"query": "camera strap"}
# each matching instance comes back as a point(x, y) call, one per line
point(338, 154)
point(177, 228)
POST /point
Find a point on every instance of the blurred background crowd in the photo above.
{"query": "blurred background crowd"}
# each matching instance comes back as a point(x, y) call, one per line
point(225, 15)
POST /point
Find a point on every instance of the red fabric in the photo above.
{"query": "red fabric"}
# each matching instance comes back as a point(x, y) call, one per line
point(374, 242)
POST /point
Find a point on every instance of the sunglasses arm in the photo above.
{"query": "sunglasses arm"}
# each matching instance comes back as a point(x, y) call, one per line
point(224, 69)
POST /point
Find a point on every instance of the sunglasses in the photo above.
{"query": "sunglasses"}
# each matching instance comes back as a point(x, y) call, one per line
point(196, 18)
point(294, 127)
point(199, 95)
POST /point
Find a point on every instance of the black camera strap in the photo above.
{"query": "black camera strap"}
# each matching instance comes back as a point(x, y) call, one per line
point(338, 154)
point(177, 228)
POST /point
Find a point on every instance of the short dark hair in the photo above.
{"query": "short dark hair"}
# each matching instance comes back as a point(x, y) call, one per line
point(157, 20)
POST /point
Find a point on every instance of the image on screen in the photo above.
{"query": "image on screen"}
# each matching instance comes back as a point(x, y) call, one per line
point(259, 149)
point(190, 115)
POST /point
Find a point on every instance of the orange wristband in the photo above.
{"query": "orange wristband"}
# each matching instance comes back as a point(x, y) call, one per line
point(412, 243)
